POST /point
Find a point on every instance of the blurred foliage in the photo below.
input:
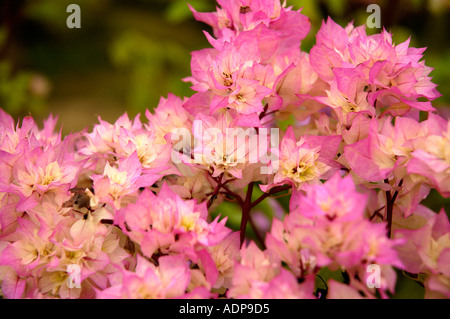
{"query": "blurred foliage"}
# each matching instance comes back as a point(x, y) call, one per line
point(143, 61)
point(22, 90)
point(19, 90)
point(322, 279)
point(408, 288)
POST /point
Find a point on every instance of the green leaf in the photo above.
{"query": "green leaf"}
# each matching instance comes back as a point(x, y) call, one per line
point(337, 7)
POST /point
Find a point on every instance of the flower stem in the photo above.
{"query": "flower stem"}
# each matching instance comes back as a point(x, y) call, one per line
point(263, 113)
point(271, 192)
point(390, 200)
point(246, 207)
point(216, 191)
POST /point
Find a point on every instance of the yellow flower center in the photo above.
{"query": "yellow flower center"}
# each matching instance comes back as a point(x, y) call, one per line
point(51, 174)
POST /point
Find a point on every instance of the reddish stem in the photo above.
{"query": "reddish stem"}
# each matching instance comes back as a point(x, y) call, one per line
point(246, 207)
point(263, 113)
point(271, 192)
point(390, 201)
point(216, 190)
point(231, 193)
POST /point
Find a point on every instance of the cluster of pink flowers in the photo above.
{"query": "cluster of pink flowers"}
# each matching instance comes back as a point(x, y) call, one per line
point(130, 205)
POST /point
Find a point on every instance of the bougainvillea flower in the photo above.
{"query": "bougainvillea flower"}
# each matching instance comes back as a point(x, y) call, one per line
point(169, 224)
point(168, 280)
point(432, 158)
point(306, 161)
point(427, 251)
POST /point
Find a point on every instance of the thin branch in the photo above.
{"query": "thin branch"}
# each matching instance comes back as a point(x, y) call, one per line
point(389, 210)
point(231, 193)
point(390, 201)
point(246, 207)
point(396, 192)
point(216, 190)
point(271, 192)
point(266, 107)
point(377, 213)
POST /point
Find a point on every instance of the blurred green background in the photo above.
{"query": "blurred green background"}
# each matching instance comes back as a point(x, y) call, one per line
point(129, 53)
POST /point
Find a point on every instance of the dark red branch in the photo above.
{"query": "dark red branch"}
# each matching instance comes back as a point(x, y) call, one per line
point(246, 207)
point(271, 192)
point(216, 191)
point(390, 201)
